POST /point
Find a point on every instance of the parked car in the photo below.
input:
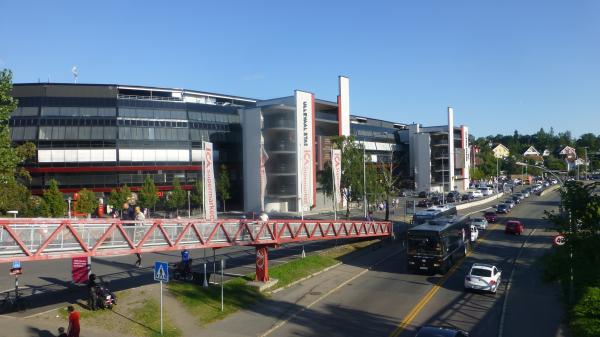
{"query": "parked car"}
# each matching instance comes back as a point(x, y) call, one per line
point(423, 194)
point(516, 199)
point(437, 200)
point(526, 192)
point(424, 203)
point(485, 191)
point(490, 217)
point(434, 331)
point(502, 208)
point(476, 194)
point(451, 199)
point(514, 227)
point(467, 197)
point(520, 195)
point(480, 223)
point(484, 277)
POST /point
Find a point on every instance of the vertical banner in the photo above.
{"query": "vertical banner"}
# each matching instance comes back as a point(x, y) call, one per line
point(305, 143)
point(210, 195)
point(263, 176)
point(336, 166)
point(344, 106)
point(80, 269)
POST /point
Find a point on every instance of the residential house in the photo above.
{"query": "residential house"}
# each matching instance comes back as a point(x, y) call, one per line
point(500, 151)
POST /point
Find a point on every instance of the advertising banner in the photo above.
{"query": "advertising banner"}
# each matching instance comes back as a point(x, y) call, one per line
point(305, 143)
point(210, 194)
point(336, 166)
point(79, 269)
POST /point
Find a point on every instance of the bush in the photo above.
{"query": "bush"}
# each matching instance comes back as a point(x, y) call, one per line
point(586, 314)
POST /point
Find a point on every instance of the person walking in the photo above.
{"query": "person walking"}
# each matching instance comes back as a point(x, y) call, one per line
point(74, 328)
point(139, 216)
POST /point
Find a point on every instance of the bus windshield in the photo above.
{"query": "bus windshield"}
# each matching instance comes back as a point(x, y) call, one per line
point(424, 245)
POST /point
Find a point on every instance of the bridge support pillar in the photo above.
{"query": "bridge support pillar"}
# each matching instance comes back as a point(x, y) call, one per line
point(262, 263)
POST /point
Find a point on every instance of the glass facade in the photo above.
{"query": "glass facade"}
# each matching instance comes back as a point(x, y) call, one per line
point(93, 126)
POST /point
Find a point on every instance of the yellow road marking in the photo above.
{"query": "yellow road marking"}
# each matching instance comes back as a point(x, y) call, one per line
point(429, 295)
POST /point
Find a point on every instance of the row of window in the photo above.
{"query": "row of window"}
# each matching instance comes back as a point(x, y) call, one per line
point(153, 133)
point(75, 133)
point(145, 113)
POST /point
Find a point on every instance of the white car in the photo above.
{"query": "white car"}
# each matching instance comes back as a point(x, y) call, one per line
point(475, 194)
point(480, 223)
point(474, 233)
point(484, 277)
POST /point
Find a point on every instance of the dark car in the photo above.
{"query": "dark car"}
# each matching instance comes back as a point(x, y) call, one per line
point(424, 203)
point(490, 217)
point(451, 198)
point(434, 331)
point(516, 199)
point(467, 197)
point(502, 208)
point(437, 200)
point(423, 194)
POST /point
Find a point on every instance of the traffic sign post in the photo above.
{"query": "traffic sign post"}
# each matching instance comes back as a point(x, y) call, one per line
point(161, 274)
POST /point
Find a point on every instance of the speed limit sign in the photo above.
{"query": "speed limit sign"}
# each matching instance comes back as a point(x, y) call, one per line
point(559, 240)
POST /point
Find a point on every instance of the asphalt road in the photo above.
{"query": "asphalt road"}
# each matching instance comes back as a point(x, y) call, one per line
point(390, 301)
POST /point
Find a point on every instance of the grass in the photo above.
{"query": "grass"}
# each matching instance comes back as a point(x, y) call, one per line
point(205, 303)
point(148, 317)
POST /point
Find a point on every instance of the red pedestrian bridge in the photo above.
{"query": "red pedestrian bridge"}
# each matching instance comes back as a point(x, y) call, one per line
point(44, 239)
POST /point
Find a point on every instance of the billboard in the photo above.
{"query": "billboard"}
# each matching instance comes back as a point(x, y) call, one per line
point(305, 142)
point(336, 166)
point(210, 195)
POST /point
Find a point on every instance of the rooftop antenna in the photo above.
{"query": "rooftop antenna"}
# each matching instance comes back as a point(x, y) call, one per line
point(75, 73)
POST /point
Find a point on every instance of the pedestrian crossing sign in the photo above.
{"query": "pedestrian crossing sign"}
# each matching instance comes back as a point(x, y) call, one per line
point(161, 271)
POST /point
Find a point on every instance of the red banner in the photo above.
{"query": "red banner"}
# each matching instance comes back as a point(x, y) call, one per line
point(80, 269)
point(262, 263)
point(210, 195)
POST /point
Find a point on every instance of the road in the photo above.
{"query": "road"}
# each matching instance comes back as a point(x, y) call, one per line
point(390, 301)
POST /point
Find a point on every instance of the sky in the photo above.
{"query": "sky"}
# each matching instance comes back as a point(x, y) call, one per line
point(502, 65)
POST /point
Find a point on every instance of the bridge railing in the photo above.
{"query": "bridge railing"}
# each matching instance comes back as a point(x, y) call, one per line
point(38, 239)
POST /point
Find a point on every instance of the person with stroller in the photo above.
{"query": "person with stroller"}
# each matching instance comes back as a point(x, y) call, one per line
point(92, 286)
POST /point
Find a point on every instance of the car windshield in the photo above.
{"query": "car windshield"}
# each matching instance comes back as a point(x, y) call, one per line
point(478, 219)
point(423, 245)
point(481, 272)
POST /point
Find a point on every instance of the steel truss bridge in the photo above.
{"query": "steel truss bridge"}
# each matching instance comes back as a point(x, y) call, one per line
point(44, 239)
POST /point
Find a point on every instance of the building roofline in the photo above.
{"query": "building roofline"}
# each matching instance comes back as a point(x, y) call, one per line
point(139, 87)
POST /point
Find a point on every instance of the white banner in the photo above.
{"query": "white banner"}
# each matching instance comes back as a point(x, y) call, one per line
point(210, 195)
point(305, 143)
point(263, 176)
point(336, 166)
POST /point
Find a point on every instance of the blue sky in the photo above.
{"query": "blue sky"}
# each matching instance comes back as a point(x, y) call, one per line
point(503, 65)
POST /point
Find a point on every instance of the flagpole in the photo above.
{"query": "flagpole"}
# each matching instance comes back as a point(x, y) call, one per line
point(334, 187)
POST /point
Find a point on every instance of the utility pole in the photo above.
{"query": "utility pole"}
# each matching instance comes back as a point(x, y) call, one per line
point(586, 162)
point(497, 175)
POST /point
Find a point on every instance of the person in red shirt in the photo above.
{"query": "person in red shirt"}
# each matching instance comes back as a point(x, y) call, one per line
point(73, 330)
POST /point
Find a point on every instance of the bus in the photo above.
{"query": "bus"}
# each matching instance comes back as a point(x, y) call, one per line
point(432, 213)
point(435, 245)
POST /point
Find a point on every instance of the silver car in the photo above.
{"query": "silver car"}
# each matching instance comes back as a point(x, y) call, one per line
point(484, 277)
point(480, 223)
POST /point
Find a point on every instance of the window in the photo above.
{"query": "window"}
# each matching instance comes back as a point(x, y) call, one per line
point(26, 111)
point(85, 132)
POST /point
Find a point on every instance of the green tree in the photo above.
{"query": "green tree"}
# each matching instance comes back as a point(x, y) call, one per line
point(352, 171)
point(176, 198)
point(87, 202)
point(224, 185)
point(118, 196)
point(55, 200)
point(147, 195)
point(197, 194)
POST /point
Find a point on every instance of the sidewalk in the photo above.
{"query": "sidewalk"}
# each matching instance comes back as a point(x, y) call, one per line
point(34, 327)
point(282, 305)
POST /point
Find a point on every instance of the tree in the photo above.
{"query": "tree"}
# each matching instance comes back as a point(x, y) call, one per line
point(176, 198)
point(87, 202)
point(197, 195)
point(119, 196)
point(224, 185)
point(147, 195)
point(352, 171)
point(55, 200)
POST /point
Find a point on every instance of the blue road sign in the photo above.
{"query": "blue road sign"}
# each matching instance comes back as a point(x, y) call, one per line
point(161, 271)
point(16, 265)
